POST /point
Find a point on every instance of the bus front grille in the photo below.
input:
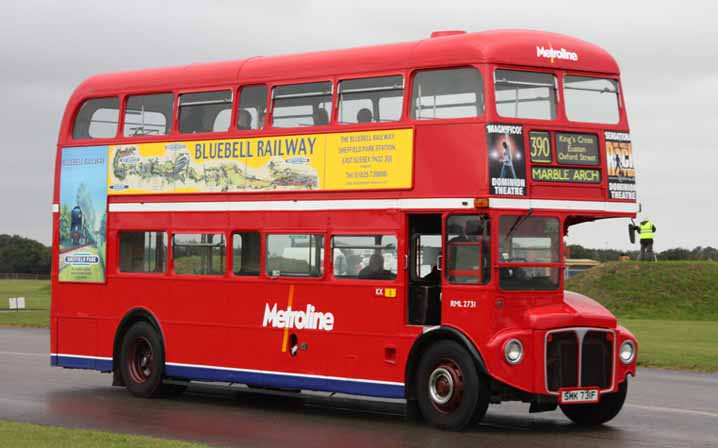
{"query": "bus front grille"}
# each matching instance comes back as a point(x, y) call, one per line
point(564, 350)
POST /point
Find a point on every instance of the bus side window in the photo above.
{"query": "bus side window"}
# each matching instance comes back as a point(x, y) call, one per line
point(246, 253)
point(366, 257)
point(97, 118)
point(252, 108)
point(143, 252)
point(205, 111)
point(369, 100)
point(301, 105)
point(198, 253)
point(148, 115)
point(295, 255)
point(447, 93)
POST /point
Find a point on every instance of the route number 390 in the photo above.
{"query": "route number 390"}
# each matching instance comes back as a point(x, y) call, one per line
point(540, 147)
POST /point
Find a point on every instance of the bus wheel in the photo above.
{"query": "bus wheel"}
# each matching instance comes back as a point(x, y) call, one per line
point(450, 393)
point(596, 414)
point(142, 360)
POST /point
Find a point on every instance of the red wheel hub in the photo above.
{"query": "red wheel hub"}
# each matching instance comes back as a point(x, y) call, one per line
point(446, 386)
point(140, 359)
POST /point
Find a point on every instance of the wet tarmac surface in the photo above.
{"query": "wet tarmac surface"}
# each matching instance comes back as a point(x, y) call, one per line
point(663, 409)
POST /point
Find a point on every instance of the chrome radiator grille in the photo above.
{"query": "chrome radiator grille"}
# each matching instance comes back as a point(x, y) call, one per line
point(579, 357)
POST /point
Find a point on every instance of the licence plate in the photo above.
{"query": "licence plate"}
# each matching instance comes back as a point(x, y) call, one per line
point(569, 396)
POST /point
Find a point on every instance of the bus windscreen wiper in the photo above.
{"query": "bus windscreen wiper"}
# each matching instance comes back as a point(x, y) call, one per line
point(518, 222)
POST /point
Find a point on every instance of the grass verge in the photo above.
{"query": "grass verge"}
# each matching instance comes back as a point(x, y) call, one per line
point(28, 435)
point(676, 344)
point(37, 300)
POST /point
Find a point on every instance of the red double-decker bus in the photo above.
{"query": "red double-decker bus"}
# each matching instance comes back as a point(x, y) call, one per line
point(384, 221)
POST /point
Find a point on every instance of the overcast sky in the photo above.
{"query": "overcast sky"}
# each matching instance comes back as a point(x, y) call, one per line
point(668, 56)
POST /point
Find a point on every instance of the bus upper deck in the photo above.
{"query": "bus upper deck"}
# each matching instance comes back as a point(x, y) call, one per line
point(527, 120)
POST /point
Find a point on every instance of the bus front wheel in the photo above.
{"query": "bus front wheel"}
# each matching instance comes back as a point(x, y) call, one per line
point(142, 360)
point(596, 414)
point(450, 393)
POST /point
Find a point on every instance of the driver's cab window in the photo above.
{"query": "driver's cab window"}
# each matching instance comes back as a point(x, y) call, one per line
point(467, 249)
point(529, 253)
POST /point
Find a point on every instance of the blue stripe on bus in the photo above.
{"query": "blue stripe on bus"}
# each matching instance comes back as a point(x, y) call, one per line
point(287, 381)
point(263, 379)
point(77, 362)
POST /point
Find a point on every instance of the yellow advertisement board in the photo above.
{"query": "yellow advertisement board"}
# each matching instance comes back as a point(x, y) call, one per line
point(321, 162)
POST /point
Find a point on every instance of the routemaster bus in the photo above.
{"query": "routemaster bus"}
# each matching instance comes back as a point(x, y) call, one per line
point(382, 221)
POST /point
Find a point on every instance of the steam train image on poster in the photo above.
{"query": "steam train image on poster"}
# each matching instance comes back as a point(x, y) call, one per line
point(80, 233)
point(77, 234)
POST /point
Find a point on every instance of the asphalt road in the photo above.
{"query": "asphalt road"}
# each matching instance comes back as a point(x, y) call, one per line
point(666, 409)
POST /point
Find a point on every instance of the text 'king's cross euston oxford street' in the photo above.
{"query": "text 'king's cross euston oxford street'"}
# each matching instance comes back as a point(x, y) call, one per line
point(412, 212)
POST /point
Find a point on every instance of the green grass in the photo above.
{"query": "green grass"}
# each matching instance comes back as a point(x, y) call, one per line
point(37, 300)
point(671, 307)
point(668, 290)
point(686, 344)
point(23, 435)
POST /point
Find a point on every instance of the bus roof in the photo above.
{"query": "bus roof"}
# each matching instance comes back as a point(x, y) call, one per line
point(513, 47)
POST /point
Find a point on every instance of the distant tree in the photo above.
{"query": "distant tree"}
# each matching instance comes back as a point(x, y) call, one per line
point(676, 254)
point(710, 253)
point(20, 255)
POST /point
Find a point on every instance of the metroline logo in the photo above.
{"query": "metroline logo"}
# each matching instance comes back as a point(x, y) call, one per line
point(550, 53)
point(309, 319)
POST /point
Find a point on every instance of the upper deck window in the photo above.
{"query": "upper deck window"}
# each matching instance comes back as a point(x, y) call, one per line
point(591, 100)
point(97, 118)
point(525, 94)
point(371, 100)
point(205, 111)
point(455, 93)
point(302, 105)
point(252, 108)
point(148, 115)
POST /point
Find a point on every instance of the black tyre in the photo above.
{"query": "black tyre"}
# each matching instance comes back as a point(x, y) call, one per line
point(142, 360)
point(598, 413)
point(450, 393)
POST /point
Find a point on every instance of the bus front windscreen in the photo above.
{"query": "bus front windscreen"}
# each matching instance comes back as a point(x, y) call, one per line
point(526, 245)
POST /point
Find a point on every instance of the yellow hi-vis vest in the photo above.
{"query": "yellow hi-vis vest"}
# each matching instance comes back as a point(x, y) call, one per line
point(647, 230)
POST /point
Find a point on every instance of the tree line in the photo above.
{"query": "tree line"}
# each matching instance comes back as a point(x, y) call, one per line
point(20, 255)
point(698, 253)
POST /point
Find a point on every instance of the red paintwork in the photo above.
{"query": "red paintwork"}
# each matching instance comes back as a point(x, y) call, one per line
point(450, 161)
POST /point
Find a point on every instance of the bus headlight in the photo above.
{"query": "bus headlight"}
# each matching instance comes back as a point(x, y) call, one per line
point(513, 351)
point(628, 352)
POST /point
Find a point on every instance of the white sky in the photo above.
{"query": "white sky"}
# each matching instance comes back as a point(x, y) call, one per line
point(668, 56)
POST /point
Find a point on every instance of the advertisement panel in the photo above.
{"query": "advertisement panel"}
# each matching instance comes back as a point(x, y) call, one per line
point(340, 161)
point(621, 169)
point(507, 168)
point(83, 214)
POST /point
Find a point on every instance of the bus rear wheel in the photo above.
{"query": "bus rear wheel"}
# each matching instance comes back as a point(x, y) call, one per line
point(142, 360)
point(598, 413)
point(450, 393)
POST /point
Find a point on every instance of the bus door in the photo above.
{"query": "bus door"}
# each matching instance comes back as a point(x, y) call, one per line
point(467, 267)
point(424, 263)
